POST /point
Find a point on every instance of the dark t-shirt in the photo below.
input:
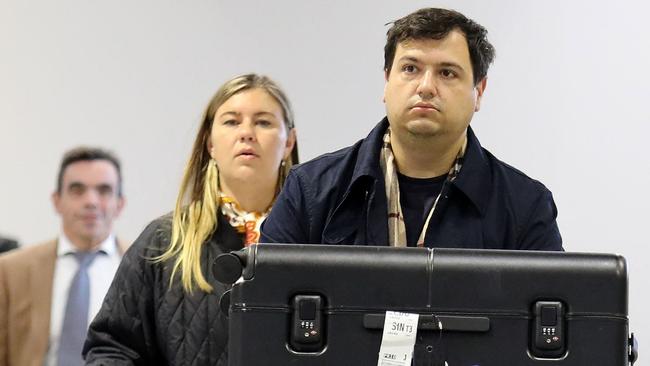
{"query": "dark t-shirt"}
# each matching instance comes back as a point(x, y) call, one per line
point(416, 197)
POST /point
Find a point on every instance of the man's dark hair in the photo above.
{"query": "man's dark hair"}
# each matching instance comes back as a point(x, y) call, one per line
point(84, 153)
point(433, 23)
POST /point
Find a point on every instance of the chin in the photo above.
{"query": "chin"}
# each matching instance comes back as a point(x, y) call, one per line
point(423, 128)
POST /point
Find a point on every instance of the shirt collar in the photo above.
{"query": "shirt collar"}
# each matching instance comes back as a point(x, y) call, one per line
point(474, 179)
point(65, 246)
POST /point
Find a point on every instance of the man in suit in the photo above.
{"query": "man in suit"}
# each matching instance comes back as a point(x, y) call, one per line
point(49, 292)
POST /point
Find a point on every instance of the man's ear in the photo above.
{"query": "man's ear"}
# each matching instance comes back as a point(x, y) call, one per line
point(56, 199)
point(386, 73)
point(121, 201)
point(480, 89)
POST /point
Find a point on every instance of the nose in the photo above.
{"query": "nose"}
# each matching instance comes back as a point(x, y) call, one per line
point(91, 198)
point(247, 132)
point(427, 85)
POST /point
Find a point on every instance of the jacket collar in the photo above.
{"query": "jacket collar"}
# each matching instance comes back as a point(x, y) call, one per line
point(474, 179)
point(364, 193)
point(41, 280)
point(226, 236)
point(367, 164)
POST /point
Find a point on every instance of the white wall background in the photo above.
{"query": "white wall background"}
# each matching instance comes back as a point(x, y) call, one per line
point(567, 99)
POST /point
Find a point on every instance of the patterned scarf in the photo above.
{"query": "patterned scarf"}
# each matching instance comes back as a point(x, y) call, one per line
point(396, 225)
point(247, 223)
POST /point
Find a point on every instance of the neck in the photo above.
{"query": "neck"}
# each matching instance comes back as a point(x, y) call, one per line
point(425, 157)
point(84, 244)
point(250, 197)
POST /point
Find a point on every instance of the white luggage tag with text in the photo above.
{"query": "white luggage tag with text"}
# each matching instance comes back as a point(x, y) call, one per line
point(398, 339)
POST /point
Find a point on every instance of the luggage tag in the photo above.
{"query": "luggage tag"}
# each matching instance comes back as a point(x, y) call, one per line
point(398, 339)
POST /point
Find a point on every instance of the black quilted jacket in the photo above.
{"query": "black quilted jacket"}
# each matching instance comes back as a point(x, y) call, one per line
point(144, 322)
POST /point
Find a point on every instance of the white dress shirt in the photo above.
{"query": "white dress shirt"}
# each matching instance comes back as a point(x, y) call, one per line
point(100, 273)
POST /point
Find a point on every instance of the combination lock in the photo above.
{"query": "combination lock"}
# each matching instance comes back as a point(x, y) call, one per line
point(549, 335)
point(307, 323)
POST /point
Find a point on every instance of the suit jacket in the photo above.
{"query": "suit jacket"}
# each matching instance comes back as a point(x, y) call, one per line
point(26, 277)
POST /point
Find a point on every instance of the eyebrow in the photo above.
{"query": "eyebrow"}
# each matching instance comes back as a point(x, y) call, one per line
point(409, 58)
point(77, 184)
point(440, 64)
point(239, 114)
point(452, 65)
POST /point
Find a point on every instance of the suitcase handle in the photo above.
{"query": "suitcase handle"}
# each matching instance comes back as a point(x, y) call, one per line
point(436, 322)
point(633, 349)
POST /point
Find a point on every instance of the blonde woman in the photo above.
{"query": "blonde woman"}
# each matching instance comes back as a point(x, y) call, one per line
point(163, 305)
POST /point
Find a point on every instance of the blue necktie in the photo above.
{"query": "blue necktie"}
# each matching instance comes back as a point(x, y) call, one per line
point(75, 319)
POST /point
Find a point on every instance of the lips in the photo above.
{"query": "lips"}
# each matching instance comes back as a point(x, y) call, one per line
point(425, 107)
point(89, 219)
point(247, 153)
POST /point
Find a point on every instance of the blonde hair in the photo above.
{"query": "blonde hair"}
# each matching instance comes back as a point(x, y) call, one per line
point(195, 214)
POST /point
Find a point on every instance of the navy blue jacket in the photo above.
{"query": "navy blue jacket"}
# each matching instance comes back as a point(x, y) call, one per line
point(339, 198)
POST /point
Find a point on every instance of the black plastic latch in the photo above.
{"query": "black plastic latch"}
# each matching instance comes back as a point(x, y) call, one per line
point(548, 333)
point(228, 267)
point(307, 325)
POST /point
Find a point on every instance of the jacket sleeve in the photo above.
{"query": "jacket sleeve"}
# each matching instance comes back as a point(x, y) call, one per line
point(540, 231)
point(288, 221)
point(123, 332)
point(3, 316)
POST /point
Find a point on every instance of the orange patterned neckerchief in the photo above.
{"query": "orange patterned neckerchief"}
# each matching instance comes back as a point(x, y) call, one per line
point(247, 223)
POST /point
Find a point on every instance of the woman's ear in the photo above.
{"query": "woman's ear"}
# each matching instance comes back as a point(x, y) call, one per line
point(291, 142)
point(210, 147)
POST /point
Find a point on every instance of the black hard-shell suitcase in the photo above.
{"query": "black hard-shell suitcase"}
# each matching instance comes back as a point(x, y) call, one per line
point(325, 305)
